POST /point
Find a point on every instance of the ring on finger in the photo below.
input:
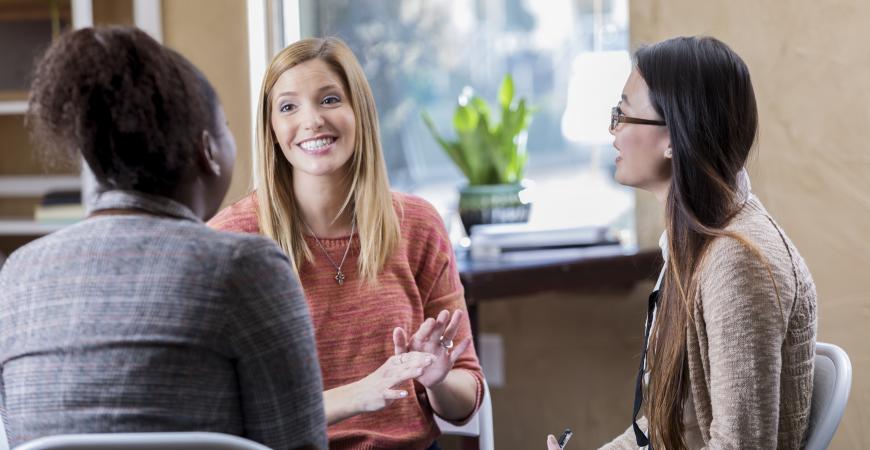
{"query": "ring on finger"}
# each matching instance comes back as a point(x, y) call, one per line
point(446, 343)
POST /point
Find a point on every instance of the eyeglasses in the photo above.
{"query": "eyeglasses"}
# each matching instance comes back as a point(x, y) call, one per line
point(617, 117)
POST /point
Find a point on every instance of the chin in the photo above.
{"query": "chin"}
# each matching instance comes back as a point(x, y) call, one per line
point(619, 178)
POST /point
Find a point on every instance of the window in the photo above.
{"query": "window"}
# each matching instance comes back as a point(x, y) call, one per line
point(567, 57)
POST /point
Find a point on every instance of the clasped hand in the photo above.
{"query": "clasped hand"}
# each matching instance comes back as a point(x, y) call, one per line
point(435, 336)
point(428, 356)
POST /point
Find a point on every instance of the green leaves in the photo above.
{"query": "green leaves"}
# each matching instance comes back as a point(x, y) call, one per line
point(486, 151)
point(506, 91)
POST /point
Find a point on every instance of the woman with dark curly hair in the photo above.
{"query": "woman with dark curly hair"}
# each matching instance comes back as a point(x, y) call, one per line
point(141, 318)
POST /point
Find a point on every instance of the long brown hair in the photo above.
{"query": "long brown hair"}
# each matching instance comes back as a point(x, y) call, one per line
point(369, 195)
point(703, 91)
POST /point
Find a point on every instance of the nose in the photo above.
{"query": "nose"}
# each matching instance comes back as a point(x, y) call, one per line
point(612, 131)
point(313, 120)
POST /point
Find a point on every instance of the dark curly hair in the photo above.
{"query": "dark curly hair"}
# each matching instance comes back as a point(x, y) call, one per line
point(134, 109)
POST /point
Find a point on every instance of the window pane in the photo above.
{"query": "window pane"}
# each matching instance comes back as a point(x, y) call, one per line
point(567, 57)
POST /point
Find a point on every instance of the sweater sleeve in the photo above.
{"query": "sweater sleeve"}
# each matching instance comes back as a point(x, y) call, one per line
point(240, 217)
point(272, 341)
point(627, 440)
point(743, 320)
point(440, 287)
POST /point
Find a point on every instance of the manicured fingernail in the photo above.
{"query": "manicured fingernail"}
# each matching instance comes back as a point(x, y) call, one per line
point(403, 394)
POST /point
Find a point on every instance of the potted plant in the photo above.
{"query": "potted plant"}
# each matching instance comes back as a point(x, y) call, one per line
point(492, 155)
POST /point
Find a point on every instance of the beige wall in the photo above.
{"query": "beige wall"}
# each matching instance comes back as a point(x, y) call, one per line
point(570, 361)
point(570, 357)
point(810, 67)
point(213, 35)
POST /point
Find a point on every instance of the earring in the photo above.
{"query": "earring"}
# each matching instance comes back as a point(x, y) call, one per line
point(668, 153)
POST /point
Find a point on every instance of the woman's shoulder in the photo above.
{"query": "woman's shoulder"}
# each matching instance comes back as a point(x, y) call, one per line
point(754, 224)
point(240, 217)
point(416, 215)
point(756, 249)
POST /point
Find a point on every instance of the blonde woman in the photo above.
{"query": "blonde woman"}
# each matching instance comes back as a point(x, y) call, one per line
point(373, 263)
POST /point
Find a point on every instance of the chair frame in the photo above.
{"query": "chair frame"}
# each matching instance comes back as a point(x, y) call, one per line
point(143, 441)
point(480, 424)
point(824, 424)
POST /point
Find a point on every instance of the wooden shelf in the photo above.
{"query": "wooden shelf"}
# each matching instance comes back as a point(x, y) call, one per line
point(37, 185)
point(13, 107)
point(7, 95)
point(21, 227)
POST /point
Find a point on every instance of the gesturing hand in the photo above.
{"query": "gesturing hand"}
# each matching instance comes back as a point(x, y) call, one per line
point(552, 443)
point(435, 336)
point(375, 391)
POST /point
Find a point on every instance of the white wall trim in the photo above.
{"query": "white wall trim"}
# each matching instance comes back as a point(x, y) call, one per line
point(258, 57)
point(147, 15)
point(83, 17)
point(82, 14)
point(292, 24)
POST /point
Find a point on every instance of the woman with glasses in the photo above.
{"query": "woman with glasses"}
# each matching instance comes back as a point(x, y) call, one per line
point(731, 326)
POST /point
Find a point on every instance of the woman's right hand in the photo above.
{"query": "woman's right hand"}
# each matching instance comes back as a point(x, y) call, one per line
point(376, 390)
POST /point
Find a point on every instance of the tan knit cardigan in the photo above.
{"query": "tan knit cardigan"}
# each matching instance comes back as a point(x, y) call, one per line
point(750, 363)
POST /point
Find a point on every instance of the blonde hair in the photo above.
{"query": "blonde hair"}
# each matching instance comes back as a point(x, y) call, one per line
point(368, 195)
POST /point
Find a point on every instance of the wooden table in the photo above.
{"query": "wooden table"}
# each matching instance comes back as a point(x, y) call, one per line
point(565, 270)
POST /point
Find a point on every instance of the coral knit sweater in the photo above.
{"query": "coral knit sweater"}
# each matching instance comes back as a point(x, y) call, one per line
point(353, 323)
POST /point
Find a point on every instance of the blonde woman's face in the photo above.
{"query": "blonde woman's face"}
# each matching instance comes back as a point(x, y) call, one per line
point(643, 151)
point(313, 120)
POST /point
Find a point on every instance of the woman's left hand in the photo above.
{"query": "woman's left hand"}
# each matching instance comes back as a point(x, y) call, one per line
point(435, 336)
point(552, 443)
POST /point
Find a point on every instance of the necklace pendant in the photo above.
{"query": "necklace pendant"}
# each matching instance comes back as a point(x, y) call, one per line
point(339, 277)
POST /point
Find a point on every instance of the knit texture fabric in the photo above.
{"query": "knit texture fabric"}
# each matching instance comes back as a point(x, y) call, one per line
point(154, 322)
point(354, 322)
point(750, 356)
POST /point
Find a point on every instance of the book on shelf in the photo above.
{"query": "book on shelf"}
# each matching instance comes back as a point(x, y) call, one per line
point(60, 207)
point(522, 240)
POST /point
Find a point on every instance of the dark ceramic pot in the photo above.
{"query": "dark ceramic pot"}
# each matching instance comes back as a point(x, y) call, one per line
point(492, 203)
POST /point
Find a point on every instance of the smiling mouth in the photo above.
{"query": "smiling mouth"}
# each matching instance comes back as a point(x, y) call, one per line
point(313, 145)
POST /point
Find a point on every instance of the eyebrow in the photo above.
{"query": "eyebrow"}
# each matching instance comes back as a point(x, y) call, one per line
point(326, 87)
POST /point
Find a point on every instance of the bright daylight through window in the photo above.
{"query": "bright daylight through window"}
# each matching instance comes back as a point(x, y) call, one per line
point(568, 58)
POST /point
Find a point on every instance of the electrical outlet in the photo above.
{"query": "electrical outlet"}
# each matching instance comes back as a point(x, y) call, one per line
point(492, 358)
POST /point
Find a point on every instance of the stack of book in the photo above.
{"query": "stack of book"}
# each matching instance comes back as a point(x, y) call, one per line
point(504, 242)
point(60, 207)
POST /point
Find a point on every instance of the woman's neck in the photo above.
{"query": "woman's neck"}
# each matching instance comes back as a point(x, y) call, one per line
point(661, 192)
point(320, 199)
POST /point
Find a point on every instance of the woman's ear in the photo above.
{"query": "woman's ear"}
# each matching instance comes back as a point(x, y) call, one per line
point(206, 155)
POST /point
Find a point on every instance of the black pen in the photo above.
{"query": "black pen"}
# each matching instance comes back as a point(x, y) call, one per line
point(566, 435)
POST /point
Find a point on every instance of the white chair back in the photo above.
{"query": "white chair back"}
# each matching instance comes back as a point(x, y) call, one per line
point(479, 426)
point(143, 441)
point(831, 383)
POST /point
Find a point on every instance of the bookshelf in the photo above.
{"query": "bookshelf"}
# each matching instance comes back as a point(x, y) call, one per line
point(26, 29)
point(38, 185)
point(24, 228)
point(13, 107)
